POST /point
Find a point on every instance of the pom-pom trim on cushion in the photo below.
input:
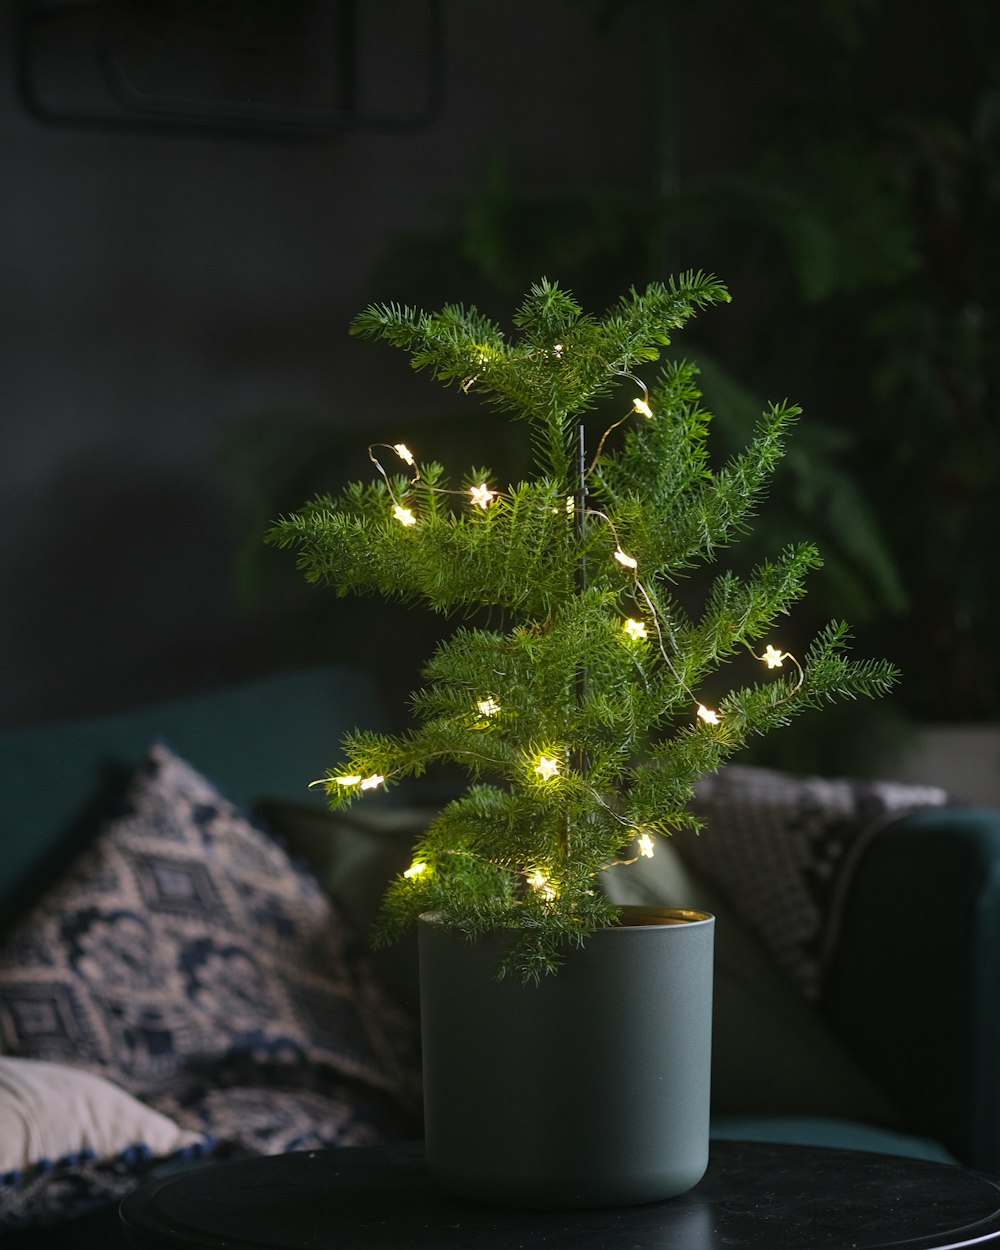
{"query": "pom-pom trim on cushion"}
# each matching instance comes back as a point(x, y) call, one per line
point(72, 1140)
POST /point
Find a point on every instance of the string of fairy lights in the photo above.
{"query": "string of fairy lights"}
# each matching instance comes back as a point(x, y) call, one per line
point(548, 768)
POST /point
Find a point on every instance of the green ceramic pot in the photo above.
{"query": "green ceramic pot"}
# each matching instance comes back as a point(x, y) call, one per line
point(590, 1089)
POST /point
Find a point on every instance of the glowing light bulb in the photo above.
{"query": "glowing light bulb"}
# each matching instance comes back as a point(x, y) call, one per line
point(369, 783)
point(482, 496)
point(540, 882)
point(403, 452)
point(404, 515)
point(547, 768)
point(352, 779)
point(772, 657)
point(646, 845)
point(642, 407)
point(636, 630)
point(557, 349)
point(707, 715)
point(415, 870)
point(488, 707)
point(626, 561)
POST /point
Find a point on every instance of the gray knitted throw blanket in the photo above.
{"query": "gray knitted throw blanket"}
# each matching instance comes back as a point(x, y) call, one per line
point(783, 849)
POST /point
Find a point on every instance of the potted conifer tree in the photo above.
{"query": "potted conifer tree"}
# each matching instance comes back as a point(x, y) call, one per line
point(577, 715)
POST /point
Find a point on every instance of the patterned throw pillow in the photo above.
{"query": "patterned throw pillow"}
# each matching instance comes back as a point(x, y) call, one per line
point(783, 850)
point(187, 958)
point(71, 1140)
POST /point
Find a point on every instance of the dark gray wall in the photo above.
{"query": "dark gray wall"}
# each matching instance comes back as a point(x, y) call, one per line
point(161, 295)
point(157, 291)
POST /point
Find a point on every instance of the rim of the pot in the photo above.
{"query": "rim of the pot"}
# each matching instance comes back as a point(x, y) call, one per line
point(632, 916)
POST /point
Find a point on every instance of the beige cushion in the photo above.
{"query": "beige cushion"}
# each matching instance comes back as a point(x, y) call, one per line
point(49, 1111)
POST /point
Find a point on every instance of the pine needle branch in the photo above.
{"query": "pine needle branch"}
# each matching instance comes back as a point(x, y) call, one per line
point(578, 722)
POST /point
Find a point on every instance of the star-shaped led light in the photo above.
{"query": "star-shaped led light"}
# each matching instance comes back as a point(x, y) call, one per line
point(540, 882)
point(547, 768)
point(403, 515)
point(488, 707)
point(642, 407)
point(482, 496)
point(415, 870)
point(636, 630)
point(707, 715)
point(369, 783)
point(626, 561)
point(772, 657)
point(403, 452)
point(646, 845)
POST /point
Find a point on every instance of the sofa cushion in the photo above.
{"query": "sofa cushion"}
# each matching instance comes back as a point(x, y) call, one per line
point(72, 1141)
point(828, 1131)
point(186, 957)
point(783, 849)
point(772, 1052)
point(354, 854)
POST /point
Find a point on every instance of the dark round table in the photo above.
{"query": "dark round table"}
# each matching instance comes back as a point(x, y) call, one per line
point(755, 1196)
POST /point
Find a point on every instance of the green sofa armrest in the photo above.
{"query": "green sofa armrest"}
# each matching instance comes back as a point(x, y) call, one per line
point(914, 990)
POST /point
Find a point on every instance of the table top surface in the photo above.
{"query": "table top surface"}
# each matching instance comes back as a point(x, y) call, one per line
point(755, 1195)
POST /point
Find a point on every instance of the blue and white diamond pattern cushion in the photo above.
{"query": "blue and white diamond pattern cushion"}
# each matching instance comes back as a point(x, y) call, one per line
point(184, 951)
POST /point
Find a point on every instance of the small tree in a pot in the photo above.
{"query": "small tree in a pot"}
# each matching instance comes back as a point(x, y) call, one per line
point(576, 714)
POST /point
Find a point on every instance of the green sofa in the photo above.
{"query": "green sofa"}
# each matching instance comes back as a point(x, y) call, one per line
point(899, 1055)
